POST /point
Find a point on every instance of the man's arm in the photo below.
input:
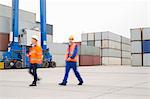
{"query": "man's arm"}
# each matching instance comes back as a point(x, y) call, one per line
point(75, 52)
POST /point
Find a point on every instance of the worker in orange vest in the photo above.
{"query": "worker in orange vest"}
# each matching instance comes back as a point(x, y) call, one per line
point(35, 57)
point(71, 59)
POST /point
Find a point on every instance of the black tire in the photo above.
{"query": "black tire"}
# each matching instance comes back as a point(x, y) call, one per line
point(18, 65)
point(52, 64)
point(7, 65)
point(46, 64)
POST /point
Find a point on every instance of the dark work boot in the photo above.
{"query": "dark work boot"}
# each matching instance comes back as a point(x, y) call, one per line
point(80, 83)
point(62, 84)
point(33, 84)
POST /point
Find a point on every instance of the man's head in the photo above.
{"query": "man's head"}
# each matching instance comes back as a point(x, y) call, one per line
point(71, 39)
point(34, 39)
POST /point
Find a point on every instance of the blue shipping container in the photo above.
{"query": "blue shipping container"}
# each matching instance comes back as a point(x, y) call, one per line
point(146, 46)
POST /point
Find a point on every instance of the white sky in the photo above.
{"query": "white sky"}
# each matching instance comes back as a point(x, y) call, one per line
point(78, 16)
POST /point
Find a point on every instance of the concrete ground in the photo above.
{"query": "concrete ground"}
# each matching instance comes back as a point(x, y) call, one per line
point(101, 82)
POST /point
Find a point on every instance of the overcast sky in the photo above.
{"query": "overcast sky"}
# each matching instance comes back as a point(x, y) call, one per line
point(83, 16)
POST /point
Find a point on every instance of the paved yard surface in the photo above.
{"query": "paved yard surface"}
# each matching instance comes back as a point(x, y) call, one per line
point(100, 83)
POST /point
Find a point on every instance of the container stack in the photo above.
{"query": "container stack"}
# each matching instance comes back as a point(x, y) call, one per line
point(89, 56)
point(58, 52)
point(125, 51)
point(140, 46)
point(114, 49)
point(111, 49)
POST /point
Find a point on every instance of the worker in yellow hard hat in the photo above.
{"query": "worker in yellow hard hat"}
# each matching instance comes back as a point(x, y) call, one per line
point(71, 58)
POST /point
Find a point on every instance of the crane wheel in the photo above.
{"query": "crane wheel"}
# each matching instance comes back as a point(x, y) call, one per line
point(46, 64)
point(52, 64)
point(18, 65)
point(7, 65)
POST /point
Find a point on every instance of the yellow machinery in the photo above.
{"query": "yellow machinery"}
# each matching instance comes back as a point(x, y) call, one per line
point(1, 65)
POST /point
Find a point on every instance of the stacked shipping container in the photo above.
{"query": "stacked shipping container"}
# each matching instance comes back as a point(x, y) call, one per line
point(114, 49)
point(140, 46)
point(58, 52)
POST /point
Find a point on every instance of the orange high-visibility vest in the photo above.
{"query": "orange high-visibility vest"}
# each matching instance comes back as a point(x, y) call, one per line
point(69, 53)
point(36, 55)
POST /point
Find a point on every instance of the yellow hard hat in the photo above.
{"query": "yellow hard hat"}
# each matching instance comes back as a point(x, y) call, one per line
point(71, 37)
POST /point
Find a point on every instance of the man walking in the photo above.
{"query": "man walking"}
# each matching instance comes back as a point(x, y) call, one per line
point(71, 58)
point(35, 56)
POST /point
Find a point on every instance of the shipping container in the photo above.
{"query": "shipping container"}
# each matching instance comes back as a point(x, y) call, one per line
point(136, 47)
point(125, 40)
point(126, 54)
point(111, 53)
point(57, 48)
point(88, 60)
point(125, 61)
point(126, 47)
point(4, 41)
point(6, 11)
point(111, 36)
point(59, 59)
point(91, 36)
point(111, 61)
point(146, 59)
point(136, 59)
point(111, 44)
point(84, 37)
point(84, 43)
point(49, 39)
point(98, 36)
point(98, 44)
point(89, 50)
point(5, 24)
point(146, 33)
point(91, 43)
point(136, 34)
point(146, 46)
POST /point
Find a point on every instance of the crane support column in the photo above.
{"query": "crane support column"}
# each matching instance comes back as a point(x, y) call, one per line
point(43, 24)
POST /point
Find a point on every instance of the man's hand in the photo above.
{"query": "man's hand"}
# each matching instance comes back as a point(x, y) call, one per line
point(68, 59)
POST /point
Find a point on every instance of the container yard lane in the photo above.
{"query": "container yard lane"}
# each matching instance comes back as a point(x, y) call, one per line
point(101, 82)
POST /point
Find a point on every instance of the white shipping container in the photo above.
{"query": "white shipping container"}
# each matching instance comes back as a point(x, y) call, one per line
point(26, 37)
point(90, 43)
point(110, 36)
point(111, 44)
point(84, 43)
point(146, 33)
point(135, 34)
point(126, 54)
point(136, 59)
point(84, 37)
point(125, 40)
point(126, 47)
point(57, 48)
point(98, 36)
point(91, 36)
point(111, 53)
point(111, 61)
point(6, 11)
point(59, 59)
point(89, 50)
point(98, 44)
point(136, 47)
point(49, 39)
point(126, 61)
point(146, 59)
point(5, 24)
